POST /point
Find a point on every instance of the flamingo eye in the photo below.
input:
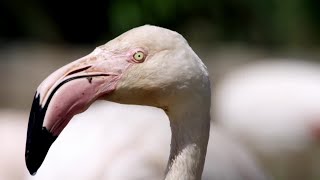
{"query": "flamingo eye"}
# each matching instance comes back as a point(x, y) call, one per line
point(139, 56)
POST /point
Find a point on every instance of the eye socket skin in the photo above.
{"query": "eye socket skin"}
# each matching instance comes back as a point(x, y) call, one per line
point(139, 56)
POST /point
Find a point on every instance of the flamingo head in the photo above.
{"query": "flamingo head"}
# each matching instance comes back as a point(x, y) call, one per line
point(147, 65)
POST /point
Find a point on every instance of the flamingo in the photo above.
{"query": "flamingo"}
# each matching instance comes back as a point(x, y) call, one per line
point(147, 65)
point(272, 107)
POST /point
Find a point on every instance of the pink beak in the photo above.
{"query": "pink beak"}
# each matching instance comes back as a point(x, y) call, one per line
point(66, 92)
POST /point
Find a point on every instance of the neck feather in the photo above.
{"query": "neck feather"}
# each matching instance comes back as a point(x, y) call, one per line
point(190, 133)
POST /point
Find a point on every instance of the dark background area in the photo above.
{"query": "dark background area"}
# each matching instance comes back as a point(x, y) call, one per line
point(267, 23)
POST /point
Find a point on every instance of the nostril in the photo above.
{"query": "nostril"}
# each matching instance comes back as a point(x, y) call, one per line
point(78, 70)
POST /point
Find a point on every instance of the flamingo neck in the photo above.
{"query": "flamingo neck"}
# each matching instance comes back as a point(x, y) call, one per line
point(190, 134)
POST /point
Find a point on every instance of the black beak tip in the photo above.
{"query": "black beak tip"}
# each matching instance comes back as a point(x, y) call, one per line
point(37, 149)
point(39, 139)
point(32, 167)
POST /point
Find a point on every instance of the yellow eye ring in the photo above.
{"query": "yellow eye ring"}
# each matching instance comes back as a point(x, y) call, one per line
point(139, 56)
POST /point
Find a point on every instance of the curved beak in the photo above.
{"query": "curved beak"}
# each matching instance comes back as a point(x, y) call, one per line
point(66, 92)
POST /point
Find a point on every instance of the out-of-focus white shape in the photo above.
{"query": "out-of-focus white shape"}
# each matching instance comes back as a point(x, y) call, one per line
point(275, 108)
point(228, 159)
point(13, 131)
point(124, 142)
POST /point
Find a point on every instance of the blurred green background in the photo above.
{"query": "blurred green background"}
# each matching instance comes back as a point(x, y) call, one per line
point(267, 23)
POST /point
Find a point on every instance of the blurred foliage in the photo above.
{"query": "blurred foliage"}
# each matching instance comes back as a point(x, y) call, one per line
point(273, 23)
